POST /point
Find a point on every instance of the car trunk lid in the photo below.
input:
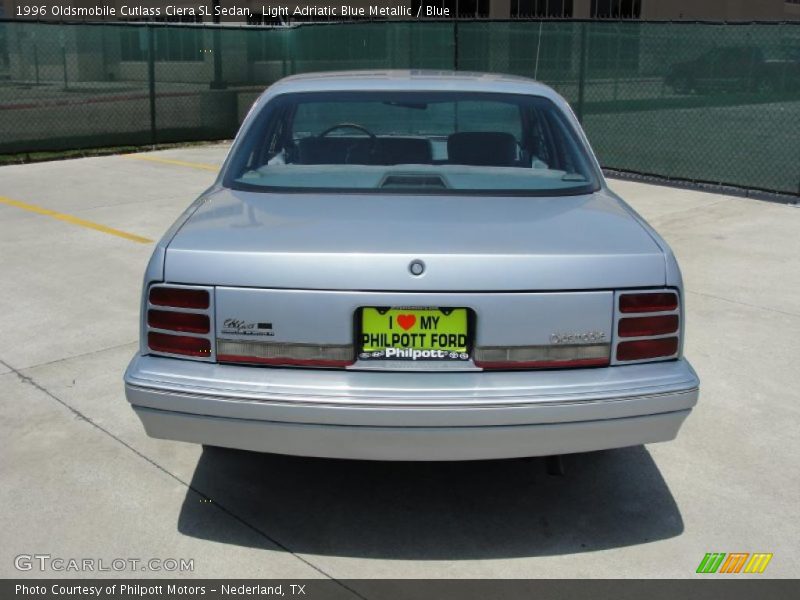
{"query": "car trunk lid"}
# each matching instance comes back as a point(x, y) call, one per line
point(368, 242)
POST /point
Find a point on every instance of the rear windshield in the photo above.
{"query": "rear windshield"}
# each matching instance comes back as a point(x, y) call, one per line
point(412, 142)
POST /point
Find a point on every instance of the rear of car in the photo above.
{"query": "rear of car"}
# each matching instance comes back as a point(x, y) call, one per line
point(411, 267)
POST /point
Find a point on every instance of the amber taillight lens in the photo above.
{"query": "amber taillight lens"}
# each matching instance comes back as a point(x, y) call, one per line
point(542, 357)
point(285, 354)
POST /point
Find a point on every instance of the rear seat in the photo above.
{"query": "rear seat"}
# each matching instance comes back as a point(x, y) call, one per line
point(363, 150)
point(402, 151)
point(482, 148)
point(327, 150)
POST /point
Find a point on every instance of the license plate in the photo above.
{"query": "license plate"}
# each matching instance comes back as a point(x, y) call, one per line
point(414, 334)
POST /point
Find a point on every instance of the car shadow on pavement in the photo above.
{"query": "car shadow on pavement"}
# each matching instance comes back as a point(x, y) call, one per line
point(430, 511)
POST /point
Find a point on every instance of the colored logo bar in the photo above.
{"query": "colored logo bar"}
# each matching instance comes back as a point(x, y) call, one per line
point(734, 562)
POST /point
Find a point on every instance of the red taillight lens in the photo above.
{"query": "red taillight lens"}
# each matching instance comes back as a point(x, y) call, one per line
point(641, 303)
point(645, 349)
point(647, 326)
point(175, 321)
point(179, 344)
point(179, 297)
point(550, 364)
point(277, 362)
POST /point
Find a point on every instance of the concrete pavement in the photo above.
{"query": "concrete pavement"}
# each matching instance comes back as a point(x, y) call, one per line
point(80, 478)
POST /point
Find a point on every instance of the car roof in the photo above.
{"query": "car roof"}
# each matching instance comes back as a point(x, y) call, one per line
point(410, 80)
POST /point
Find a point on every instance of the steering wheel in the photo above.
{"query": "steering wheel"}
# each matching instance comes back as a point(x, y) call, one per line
point(354, 147)
point(348, 126)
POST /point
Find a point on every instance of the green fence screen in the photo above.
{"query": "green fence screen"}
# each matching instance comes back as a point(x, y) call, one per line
point(716, 103)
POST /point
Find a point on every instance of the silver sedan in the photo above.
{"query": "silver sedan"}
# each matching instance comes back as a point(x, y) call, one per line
point(411, 266)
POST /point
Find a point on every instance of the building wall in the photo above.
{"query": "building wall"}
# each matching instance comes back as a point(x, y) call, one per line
point(728, 10)
point(673, 10)
point(581, 9)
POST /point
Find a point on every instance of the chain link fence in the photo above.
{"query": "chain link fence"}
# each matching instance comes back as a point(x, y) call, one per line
point(715, 103)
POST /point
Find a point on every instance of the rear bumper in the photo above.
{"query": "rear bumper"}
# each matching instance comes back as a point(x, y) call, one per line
point(410, 416)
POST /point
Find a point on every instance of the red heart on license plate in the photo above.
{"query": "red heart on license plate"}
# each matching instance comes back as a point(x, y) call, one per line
point(406, 321)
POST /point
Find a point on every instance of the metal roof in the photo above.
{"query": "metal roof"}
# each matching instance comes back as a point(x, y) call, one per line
point(410, 80)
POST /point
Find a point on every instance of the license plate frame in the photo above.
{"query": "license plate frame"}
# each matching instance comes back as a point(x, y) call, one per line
point(421, 352)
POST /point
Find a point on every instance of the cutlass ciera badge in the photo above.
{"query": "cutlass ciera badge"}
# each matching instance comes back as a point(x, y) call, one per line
point(242, 327)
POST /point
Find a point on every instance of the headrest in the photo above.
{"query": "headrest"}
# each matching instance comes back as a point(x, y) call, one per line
point(484, 148)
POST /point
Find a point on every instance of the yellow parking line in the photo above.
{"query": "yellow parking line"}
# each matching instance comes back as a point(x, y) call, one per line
point(169, 161)
point(74, 220)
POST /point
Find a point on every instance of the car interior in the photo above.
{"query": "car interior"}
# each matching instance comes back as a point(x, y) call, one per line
point(474, 148)
point(468, 145)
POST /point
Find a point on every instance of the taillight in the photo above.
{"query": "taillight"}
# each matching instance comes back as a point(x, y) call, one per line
point(649, 302)
point(542, 357)
point(178, 321)
point(648, 326)
point(185, 310)
point(179, 344)
point(179, 297)
point(280, 353)
point(644, 349)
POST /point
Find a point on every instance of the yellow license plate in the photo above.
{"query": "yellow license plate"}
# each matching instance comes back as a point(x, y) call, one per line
point(414, 334)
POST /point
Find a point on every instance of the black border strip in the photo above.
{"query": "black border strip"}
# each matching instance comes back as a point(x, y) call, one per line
point(235, 24)
point(700, 587)
point(710, 187)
